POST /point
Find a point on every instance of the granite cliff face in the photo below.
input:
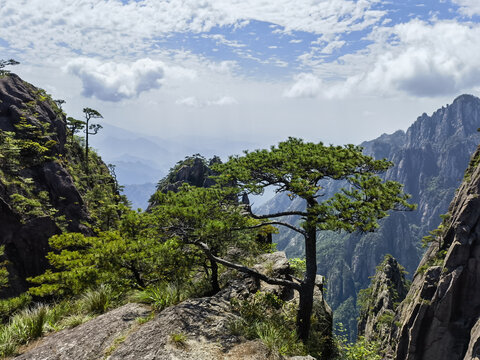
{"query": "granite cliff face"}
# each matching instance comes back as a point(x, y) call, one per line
point(379, 301)
point(439, 318)
point(430, 159)
point(39, 193)
point(194, 170)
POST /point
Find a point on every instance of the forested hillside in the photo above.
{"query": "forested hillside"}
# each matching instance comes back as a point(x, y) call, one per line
point(44, 186)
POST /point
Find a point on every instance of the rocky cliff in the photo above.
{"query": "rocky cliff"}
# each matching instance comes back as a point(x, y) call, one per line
point(194, 170)
point(42, 186)
point(430, 159)
point(439, 317)
point(379, 301)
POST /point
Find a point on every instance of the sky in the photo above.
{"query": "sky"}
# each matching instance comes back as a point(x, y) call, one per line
point(250, 72)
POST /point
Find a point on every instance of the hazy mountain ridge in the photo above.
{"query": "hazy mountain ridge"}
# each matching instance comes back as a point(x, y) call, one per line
point(430, 159)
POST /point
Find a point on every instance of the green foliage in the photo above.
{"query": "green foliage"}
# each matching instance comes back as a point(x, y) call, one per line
point(472, 166)
point(32, 206)
point(386, 319)
point(12, 305)
point(435, 235)
point(172, 173)
point(178, 339)
point(98, 188)
point(360, 350)
point(299, 169)
point(268, 318)
point(9, 152)
point(75, 125)
point(97, 301)
point(208, 216)
point(31, 323)
point(163, 295)
point(90, 129)
point(299, 266)
point(130, 257)
point(22, 328)
point(346, 313)
point(366, 298)
point(3, 269)
point(3, 63)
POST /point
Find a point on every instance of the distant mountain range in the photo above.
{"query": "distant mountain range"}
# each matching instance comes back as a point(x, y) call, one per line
point(430, 159)
point(141, 159)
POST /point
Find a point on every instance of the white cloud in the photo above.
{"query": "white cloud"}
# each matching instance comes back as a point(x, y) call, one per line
point(54, 29)
point(332, 46)
point(222, 40)
point(190, 101)
point(305, 86)
point(224, 67)
point(224, 100)
point(415, 58)
point(427, 60)
point(468, 7)
point(194, 102)
point(111, 81)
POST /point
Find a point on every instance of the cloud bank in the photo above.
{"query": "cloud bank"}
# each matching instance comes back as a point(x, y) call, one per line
point(416, 58)
point(111, 81)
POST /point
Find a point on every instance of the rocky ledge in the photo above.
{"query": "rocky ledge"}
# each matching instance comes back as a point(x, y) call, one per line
point(203, 322)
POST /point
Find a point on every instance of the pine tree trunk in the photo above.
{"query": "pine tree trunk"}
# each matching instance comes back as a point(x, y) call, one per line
point(86, 152)
point(214, 277)
point(308, 286)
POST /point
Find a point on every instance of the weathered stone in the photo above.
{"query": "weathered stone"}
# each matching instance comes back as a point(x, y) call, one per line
point(92, 340)
point(194, 329)
point(439, 317)
point(387, 289)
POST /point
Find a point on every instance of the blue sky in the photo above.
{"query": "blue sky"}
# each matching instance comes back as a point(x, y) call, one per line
point(253, 71)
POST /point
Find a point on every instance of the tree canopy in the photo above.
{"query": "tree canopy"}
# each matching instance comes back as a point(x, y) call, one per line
point(206, 218)
point(4, 63)
point(90, 129)
point(300, 169)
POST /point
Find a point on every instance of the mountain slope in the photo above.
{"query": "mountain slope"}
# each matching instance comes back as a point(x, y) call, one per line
point(430, 159)
point(439, 317)
point(44, 189)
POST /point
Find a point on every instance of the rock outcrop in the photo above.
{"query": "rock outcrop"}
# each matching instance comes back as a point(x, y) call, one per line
point(194, 170)
point(380, 300)
point(439, 316)
point(92, 340)
point(202, 326)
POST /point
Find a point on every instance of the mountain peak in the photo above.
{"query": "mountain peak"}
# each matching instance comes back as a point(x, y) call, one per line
point(465, 97)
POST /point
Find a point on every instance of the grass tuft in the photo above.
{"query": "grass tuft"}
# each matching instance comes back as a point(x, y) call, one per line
point(97, 301)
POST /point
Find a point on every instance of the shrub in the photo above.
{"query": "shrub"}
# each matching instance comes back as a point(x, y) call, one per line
point(178, 339)
point(162, 295)
point(97, 301)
